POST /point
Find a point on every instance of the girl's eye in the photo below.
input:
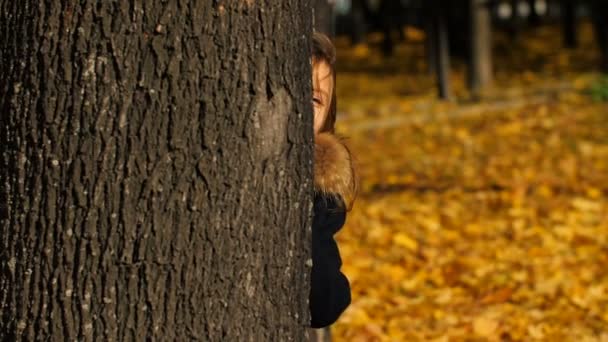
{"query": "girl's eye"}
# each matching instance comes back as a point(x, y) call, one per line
point(317, 101)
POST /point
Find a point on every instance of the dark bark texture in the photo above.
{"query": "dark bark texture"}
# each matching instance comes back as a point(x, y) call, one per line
point(155, 170)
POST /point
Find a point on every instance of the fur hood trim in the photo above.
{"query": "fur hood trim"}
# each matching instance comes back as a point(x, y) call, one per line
point(334, 168)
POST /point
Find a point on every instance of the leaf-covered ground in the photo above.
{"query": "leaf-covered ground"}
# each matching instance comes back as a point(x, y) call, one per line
point(477, 221)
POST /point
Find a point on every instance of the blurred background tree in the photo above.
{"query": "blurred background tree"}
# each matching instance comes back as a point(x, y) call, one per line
point(460, 29)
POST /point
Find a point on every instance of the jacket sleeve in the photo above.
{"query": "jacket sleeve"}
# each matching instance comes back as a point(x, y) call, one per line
point(330, 290)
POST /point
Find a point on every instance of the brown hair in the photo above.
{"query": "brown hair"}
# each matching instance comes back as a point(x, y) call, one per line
point(323, 50)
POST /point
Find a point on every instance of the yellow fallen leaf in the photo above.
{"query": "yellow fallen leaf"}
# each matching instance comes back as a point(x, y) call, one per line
point(545, 191)
point(583, 204)
point(536, 332)
point(485, 326)
point(413, 34)
point(403, 240)
point(594, 193)
point(361, 51)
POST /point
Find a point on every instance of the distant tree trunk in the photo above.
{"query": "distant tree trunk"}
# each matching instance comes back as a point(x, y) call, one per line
point(324, 18)
point(430, 41)
point(441, 47)
point(155, 168)
point(480, 66)
point(457, 18)
point(534, 19)
point(515, 21)
point(599, 10)
point(358, 21)
point(569, 23)
point(389, 17)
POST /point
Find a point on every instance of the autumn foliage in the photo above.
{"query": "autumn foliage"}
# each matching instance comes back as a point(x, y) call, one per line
point(478, 220)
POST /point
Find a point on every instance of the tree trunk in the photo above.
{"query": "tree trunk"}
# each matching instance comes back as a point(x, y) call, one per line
point(534, 19)
point(515, 22)
point(441, 48)
point(156, 170)
point(324, 18)
point(390, 17)
point(480, 66)
point(429, 40)
point(599, 9)
point(568, 14)
point(358, 22)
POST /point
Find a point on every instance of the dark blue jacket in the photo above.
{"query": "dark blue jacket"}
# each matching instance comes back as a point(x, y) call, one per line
point(330, 290)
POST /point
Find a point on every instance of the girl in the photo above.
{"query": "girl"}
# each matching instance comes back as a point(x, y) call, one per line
point(335, 190)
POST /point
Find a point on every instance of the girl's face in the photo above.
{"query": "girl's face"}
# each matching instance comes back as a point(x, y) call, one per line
point(323, 87)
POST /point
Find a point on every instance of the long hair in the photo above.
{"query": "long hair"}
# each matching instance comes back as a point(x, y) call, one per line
point(323, 50)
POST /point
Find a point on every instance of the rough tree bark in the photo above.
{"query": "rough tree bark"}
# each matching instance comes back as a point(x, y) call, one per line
point(155, 169)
